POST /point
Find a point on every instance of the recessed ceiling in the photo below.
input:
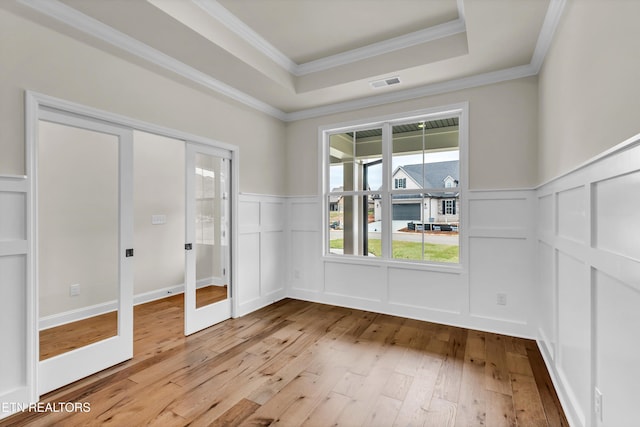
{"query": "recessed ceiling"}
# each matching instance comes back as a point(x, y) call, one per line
point(307, 30)
point(303, 58)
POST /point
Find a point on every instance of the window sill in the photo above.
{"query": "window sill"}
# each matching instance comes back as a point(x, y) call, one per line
point(388, 263)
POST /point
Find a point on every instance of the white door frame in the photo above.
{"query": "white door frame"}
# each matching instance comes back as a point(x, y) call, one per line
point(73, 365)
point(34, 103)
point(196, 319)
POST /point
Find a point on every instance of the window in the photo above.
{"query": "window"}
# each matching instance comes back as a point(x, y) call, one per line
point(449, 207)
point(400, 186)
point(400, 183)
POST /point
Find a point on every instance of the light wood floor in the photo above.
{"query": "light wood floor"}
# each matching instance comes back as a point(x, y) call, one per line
point(296, 363)
point(60, 339)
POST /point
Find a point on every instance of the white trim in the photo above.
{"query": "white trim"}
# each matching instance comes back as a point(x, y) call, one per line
point(426, 35)
point(13, 177)
point(88, 25)
point(625, 145)
point(558, 385)
point(460, 110)
point(551, 21)
point(95, 28)
point(63, 318)
point(54, 320)
point(233, 23)
point(419, 92)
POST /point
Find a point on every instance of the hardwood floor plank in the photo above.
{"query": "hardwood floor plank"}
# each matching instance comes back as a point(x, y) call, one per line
point(448, 384)
point(326, 413)
point(472, 407)
point(441, 413)
point(397, 386)
point(496, 370)
point(550, 402)
point(384, 412)
point(500, 410)
point(236, 414)
point(415, 406)
point(299, 363)
point(526, 402)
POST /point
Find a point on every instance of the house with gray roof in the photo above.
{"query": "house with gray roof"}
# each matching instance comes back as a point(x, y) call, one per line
point(436, 204)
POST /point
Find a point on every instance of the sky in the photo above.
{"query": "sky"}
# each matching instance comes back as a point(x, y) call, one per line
point(375, 174)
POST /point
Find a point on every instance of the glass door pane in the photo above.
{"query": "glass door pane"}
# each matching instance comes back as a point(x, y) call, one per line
point(84, 218)
point(207, 286)
point(211, 228)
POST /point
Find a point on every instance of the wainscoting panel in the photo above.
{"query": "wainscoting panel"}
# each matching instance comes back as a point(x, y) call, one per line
point(364, 282)
point(572, 212)
point(574, 307)
point(617, 200)
point(500, 266)
point(272, 255)
point(617, 304)
point(594, 278)
point(546, 293)
point(441, 293)
point(17, 337)
point(248, 274)
point(497, 254)
point(306, 269)
point(262, 253)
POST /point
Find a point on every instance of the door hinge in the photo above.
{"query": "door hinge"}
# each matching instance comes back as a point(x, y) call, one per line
point(128, 253)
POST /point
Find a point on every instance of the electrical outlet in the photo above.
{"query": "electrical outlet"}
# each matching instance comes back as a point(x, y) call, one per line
point(597, 403)
point(74, 290)
point(501, 299)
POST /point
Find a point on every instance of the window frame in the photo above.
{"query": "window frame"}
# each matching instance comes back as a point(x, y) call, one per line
point(388, 189)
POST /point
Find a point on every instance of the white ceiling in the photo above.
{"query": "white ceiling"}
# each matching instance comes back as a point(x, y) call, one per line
point(302, 58)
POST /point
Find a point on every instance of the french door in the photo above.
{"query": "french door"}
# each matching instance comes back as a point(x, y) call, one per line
point(207, 249)
point(84, 232)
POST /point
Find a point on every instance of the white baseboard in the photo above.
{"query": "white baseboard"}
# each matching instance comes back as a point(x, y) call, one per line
point(260, 302)
point(564, 396)
point(103, 308)
point(76, 314)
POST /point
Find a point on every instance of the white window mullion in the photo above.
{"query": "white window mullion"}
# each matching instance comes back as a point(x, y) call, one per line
point(387, 173)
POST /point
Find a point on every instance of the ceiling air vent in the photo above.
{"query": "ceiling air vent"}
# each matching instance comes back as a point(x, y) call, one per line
point(389, 81)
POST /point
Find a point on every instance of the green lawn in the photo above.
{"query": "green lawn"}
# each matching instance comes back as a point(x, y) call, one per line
point(411, 250)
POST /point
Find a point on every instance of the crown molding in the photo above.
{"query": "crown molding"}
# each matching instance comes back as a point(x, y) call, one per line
point(413, 93)
point(95, 28)
point(551, 21)
point(401, 42)
point(224, 16)
point(75, 19)
point(228, 19)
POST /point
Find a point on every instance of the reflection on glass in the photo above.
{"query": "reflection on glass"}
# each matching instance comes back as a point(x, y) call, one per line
point(78, 232)
point(211, 223)
point(424, 239)
point(356, 167)
point(425, 191)
point(355, 225)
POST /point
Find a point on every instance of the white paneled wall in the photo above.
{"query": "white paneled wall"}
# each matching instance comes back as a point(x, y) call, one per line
point(14, 258)
point(588, 286)
point(262, 252)
point(498, 256)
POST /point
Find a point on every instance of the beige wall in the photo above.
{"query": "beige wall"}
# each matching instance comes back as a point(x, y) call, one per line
point(78, 217)
point(503, 121)
point(39, 59)
point(589, 88)
point(158, 190)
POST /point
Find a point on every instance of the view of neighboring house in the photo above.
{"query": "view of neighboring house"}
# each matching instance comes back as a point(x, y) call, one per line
point(335, 202)
point(433, 206)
